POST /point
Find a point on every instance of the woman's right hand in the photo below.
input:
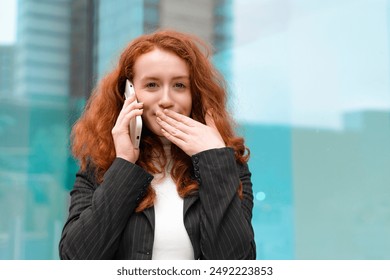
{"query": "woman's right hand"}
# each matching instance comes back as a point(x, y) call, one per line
point(124, 148)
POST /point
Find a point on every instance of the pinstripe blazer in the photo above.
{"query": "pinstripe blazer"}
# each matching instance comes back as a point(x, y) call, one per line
point(102, 223)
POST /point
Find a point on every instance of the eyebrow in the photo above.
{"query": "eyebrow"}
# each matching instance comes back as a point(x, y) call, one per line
point(156, 78)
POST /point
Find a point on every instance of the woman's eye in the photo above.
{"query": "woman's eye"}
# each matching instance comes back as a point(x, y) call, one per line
point(151, 85)
point(179, 85)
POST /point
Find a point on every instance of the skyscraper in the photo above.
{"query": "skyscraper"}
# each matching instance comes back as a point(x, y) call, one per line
point(34, 147)
point(42, 59)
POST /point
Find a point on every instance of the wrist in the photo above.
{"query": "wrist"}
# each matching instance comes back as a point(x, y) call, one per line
point(127, 158)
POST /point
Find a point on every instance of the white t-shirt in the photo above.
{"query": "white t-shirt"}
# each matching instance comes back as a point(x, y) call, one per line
point(171, 240)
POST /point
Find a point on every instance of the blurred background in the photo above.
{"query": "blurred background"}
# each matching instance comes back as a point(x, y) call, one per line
point(309, 86)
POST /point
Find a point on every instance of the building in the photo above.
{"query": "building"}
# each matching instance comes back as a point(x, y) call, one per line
point(7, 70)
point(35, 132)
point(100, 30)
point(42, 58)
point(82, 41)
point(119, 23)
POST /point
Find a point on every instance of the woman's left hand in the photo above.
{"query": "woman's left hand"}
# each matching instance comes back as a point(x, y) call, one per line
point(189, 135)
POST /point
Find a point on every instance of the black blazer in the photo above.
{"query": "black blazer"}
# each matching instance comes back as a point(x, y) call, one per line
point(102, 223)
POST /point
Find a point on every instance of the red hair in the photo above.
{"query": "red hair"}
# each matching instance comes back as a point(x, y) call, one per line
point(92, 141)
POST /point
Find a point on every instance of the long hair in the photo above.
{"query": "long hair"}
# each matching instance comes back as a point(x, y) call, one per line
point(92, 142)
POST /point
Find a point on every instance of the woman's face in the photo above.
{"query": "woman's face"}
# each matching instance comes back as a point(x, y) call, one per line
point(161, 81)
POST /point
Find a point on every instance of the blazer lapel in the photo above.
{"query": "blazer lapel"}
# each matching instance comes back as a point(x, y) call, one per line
point(188, 201)
point(149, 213)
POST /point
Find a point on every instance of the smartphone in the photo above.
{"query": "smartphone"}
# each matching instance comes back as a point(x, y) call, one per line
point(135, 123)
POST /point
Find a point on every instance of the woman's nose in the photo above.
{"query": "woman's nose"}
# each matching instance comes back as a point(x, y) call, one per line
point(165, 99)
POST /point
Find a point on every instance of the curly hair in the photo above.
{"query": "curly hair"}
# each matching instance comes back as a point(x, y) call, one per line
point(92, 142)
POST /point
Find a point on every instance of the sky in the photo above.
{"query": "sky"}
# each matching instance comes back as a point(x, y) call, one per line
point(7, 21)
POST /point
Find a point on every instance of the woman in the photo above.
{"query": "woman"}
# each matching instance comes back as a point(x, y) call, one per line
point(186, 193)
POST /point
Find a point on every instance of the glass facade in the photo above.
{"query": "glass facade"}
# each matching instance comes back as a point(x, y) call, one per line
point(309, 87)
point(117, 25)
